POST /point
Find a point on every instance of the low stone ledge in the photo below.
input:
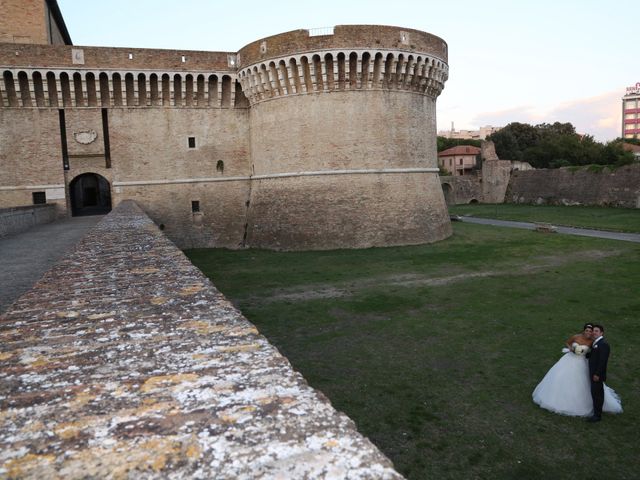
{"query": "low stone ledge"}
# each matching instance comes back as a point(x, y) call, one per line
point(124, 361)
point(18, 219)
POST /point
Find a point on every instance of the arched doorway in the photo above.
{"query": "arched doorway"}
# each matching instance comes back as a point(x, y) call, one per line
point(448, 194)
point(90, 195)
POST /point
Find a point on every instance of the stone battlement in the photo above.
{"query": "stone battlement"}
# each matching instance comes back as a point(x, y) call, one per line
point(335, 70)
point(124, 361)
point(17, 55)
point(352, 57)
point(357, 37)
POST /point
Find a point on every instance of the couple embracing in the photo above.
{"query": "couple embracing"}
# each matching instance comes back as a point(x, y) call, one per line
point(575, 384)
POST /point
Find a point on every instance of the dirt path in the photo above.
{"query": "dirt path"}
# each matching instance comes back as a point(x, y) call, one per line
point(347, 289)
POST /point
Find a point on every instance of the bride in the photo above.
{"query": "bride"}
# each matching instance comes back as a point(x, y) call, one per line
point(566, 388)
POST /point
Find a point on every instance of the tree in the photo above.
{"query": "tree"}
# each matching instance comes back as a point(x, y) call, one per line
point(613, 153)
point(512, 140)
point(555, 145)
point(445, 143)
point(556, 128)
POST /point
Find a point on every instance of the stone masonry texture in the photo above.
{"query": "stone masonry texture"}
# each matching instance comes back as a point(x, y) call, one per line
point(23, 22)
point(619, 187)
point(462, 189)
point(300, 141)
point(18, 219)
point(124, 361)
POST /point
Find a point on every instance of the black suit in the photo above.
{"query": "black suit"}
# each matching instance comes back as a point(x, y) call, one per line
point(598, 359)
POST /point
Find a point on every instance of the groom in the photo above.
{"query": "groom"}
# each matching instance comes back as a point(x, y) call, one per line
point(598, 359)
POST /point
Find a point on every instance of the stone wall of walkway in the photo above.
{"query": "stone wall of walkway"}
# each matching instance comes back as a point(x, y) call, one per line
point(18, 219)
point(124, 361)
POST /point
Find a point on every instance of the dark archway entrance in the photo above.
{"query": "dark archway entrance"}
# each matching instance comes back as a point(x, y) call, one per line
point(90, 195)
point(448, 194)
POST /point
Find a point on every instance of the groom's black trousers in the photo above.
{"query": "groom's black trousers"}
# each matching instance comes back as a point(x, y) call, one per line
point(597, 393)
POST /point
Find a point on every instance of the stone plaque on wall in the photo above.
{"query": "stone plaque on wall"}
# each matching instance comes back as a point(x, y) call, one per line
point(77, 56)
point(85, 137)
point(55, 193)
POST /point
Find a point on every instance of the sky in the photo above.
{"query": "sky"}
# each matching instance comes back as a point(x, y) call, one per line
point(509, 61)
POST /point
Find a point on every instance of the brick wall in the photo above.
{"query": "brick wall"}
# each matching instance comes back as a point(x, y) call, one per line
point(60, 56)
point(23, 21)
point(347, 211)
point(357, 133)
point(30, 157)
point(344, 36)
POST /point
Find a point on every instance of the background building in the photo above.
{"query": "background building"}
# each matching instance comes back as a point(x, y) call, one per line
point(631, 112)
point(480, 134)
point(460, 160)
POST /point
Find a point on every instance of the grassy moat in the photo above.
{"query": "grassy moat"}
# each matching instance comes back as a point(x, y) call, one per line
point(434, 350)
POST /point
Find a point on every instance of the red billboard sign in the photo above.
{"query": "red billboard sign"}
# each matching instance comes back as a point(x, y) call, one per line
point(634, 89)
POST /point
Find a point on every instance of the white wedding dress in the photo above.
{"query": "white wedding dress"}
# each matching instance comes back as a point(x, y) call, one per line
point(566, 389)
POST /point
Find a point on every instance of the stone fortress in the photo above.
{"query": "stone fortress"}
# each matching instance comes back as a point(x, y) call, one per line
point(303, 140)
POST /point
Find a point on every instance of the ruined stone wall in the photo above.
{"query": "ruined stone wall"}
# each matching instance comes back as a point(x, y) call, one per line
point(124, 361)
point(462, 189)
point(571, 186)
point(495, 180)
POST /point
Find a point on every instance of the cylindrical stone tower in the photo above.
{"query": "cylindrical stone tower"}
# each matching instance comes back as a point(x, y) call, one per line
point(343, 138)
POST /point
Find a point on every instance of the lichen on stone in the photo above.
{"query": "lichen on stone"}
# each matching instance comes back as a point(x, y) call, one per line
point(124, 361)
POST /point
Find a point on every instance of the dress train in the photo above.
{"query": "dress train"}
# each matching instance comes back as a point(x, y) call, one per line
point(566, 389)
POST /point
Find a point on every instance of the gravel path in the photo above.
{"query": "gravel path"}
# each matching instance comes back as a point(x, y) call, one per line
point(585, 232)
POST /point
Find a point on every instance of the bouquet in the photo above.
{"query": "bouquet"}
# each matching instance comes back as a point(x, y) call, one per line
point(577, 349)
point(580, 349)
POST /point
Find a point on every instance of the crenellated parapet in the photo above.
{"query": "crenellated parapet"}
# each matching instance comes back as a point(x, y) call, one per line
point(346, 57)
point(62, 88)
point(336, 70)
point(41, 76)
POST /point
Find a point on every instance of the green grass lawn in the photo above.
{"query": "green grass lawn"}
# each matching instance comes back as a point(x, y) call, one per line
point(434, 350)
point(603, 218)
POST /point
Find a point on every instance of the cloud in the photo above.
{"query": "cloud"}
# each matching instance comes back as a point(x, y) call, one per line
point(600, 116)
point(522, 114)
